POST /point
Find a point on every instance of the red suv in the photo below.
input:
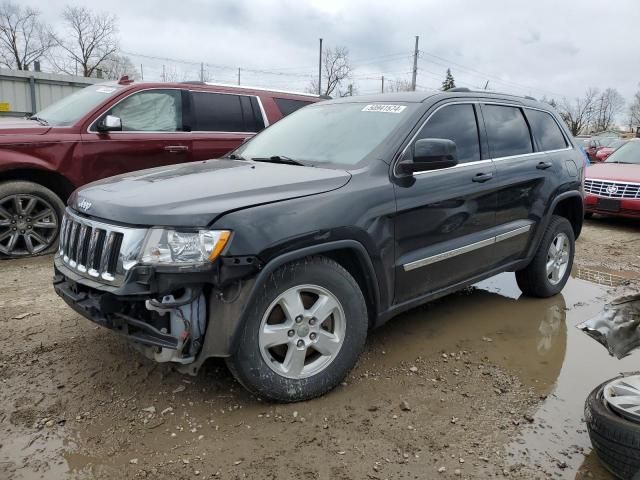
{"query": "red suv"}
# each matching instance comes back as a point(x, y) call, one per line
point(113, 128)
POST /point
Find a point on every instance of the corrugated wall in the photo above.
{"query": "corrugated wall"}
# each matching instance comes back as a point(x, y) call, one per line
point(19, 90)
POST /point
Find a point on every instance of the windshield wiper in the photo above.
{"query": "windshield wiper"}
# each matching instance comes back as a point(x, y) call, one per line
point(40, 120)
point(278, 159)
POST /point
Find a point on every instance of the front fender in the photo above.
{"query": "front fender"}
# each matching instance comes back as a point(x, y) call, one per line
point(226, 317)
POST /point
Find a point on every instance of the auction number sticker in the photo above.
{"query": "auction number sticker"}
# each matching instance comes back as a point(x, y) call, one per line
point(382, 108)
point(105, 90)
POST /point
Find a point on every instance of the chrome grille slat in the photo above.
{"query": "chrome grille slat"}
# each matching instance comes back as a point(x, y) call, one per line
point(82, 237)
point(98, 250)
point(91, 253)
point(106, 255)
point(615, 189)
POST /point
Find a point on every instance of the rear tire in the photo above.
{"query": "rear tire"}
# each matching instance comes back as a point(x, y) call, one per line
point(303, 333)
point(30, 218)
point(550, 268)
point(615, 439)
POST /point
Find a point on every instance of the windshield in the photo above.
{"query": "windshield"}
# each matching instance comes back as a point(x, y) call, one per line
point(73, 107)
point(340, 133)
point(627, 153)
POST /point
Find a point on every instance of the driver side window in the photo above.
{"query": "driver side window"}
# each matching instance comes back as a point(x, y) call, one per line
point(458, 124)
point(150, 111)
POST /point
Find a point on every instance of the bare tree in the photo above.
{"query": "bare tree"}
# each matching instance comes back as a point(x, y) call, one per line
point(579, 112)
point(23, 37)
point(634, 110)
point(115, 66)
point(88, 41)
point(608, 106)
point(400, 85)
point(336, 68)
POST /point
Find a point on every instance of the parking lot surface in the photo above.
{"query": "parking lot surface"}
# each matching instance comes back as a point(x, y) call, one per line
point(478, 384)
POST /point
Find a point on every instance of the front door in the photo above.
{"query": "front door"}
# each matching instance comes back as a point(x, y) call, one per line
point(152, 135)
point(444, 219)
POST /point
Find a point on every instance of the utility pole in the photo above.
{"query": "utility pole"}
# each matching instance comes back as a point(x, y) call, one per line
point(351, 89)
point(238, 75)
point(141, 73)
point(202, 72)
point(414, 77)
point(320, 70)
point(164, 74)
point(382, 86)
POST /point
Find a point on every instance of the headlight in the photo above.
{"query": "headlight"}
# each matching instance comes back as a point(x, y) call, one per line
point(168, 247)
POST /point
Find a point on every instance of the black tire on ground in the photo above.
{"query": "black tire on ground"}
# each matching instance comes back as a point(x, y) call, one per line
point(588, 214)
point(615, 439)
point(45, 198)
point(248, 365)
point(533, 279)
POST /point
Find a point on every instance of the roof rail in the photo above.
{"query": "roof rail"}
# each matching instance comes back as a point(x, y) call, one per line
point(263, 89)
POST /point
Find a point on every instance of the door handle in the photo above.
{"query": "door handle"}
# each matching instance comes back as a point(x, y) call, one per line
point(482, 177)
point(544, 165)
point(176, 148)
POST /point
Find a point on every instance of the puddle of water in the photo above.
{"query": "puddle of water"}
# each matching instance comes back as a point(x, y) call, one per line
point(537, 340)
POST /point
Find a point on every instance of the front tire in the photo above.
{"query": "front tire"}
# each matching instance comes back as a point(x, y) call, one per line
point(30, 218)
point(550, 268)
point(303, 334)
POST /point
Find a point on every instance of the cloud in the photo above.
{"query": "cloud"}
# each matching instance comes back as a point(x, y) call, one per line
point(543, 48)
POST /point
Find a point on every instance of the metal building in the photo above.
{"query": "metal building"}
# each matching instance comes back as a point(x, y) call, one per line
point(24, 93)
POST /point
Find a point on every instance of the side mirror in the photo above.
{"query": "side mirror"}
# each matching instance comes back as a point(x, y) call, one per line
point(430, 154)
point(110, 123)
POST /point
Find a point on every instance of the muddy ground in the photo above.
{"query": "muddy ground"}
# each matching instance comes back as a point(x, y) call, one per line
point(492, 384)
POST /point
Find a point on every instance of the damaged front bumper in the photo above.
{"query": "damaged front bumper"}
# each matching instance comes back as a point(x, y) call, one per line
point(171, 316)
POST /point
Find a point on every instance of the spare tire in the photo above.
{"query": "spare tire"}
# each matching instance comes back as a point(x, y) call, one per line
point(615, 439)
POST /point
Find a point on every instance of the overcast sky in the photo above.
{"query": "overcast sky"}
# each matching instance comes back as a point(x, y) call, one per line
point(543, 47)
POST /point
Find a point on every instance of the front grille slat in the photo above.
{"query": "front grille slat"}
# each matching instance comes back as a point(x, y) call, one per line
point(106, 255)
point(612, 189)
point(95, 249)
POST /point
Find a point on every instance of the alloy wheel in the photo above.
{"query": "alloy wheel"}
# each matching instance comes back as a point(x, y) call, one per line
point(302, 331)
point(623, 396)
point(28, 225)
point(558, 258)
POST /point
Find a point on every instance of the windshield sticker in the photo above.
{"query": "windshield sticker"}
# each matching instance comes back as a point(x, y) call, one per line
point(105, 90)
point(384, 108)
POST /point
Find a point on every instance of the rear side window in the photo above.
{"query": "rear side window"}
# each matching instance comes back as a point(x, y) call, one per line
point(221, 112)
point(456, 123)
point(287, 106)
point(507, 131)
point(545, 130)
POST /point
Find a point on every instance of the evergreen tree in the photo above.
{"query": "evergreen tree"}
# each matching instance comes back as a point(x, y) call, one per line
point(449, 82)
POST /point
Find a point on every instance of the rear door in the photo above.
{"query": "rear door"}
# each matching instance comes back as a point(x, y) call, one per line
point(445, 217)
point(152, 135)
point(526, 171)
point(220, 122)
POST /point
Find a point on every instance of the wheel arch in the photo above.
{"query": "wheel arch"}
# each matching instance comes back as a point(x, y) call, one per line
point(569, 205)
point(350, 254)
point(54, 181)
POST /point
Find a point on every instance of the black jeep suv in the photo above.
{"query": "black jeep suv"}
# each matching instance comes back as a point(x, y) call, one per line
point(283, 255)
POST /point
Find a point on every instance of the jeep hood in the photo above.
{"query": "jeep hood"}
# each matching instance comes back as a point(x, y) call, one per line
point(195, 194)
point(14, 126)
